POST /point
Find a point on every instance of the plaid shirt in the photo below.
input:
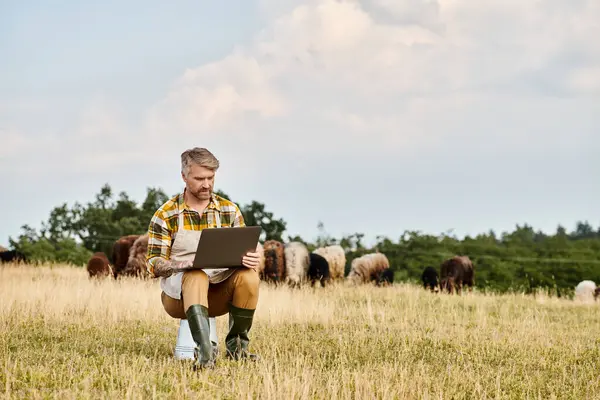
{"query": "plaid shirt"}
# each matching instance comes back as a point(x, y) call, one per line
point(164, 223)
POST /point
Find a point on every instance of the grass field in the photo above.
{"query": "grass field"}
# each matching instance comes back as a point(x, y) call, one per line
point(62, 336)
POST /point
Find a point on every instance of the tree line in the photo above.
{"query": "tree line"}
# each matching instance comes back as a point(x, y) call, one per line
point(521, 260)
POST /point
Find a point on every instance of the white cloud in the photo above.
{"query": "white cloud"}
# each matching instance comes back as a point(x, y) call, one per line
point(334, 72)
point(94, 140)
point(585, 80)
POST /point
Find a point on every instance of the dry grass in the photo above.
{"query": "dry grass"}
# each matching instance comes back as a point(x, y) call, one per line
point(63, 336)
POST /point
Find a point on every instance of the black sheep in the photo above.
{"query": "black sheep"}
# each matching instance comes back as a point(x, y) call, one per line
point(386, 277)
point(12, 256)
point(430, 278)
point(318, 269)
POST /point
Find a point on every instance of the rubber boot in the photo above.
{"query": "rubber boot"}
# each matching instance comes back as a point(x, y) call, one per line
point(197, 316)
point(236, 342)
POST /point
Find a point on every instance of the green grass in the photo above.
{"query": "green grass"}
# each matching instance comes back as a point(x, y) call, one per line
point(62, 336)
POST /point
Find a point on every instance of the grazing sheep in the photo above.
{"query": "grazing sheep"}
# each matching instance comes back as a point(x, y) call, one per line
point(297, 261)
point(136, 263)
point(274, 261)
point(456, 272)
point(98, 266)
point(380, 264)
point(336, 258)
point(120, 254)
point(386, 277)
point(586, 291)
point(318, 270)
point(430, 279)
point(368, 268)
point(12, 256)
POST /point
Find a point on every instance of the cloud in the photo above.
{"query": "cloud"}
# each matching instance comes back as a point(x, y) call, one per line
point(93, 139)
point(336, 74)
point(585, 80)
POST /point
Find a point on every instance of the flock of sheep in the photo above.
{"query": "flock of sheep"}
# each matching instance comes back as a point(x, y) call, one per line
point(128, 259)
point(290, 263)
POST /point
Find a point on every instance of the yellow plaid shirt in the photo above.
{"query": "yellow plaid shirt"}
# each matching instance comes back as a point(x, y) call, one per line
point(164, 223)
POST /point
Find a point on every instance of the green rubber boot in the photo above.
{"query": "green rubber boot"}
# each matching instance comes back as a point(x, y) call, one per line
point(236, 342)
point(197, 316)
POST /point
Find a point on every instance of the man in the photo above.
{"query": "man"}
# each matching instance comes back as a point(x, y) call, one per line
point(196, 295)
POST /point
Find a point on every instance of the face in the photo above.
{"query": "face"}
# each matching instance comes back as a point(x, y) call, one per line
point(199, 181)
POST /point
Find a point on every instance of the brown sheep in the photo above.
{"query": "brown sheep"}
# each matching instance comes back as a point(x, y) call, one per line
point(98, 266)
point(136, 263)
point(456, 272)
point(120, 253)
point(274, 261)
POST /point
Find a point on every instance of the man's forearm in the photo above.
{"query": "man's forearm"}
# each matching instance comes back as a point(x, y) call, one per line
point(165, 268)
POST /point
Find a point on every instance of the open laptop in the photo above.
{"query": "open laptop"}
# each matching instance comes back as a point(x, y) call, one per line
point(225, 247)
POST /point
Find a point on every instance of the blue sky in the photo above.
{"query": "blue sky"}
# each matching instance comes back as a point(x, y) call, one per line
point(415, 114)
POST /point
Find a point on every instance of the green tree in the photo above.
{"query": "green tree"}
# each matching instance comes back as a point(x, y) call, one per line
point(255, 214)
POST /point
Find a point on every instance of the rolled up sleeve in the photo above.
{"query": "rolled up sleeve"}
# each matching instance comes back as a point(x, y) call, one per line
point(159, 240)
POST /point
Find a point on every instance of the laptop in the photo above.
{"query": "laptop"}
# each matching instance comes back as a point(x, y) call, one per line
point(225, 247)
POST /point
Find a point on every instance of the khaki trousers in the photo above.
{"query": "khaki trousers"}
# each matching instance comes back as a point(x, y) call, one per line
point(241, 289)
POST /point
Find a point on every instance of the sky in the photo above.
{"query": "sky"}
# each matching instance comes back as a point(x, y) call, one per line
point(371, 116)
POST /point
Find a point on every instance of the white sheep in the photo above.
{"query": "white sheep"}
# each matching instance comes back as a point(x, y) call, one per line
point(586, 291)
point(297, 261)
point(336, 258)
point(367, 268)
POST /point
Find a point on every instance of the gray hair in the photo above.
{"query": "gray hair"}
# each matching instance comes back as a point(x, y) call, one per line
point(199, 156)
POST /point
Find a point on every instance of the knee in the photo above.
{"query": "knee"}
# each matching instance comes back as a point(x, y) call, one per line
point(195, 278)
point(248, 280)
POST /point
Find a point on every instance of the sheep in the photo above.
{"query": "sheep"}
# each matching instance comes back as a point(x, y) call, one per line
point(13, 256)
point(98, 266)
point(456, 272)
point(297, 262)
point(318, 269)
point(336, 258)
point(430, 279)
point(120, 253)
point(136, 263)
point(368, 268)
point(386, 277)
point(274, 261)
point(586, 291)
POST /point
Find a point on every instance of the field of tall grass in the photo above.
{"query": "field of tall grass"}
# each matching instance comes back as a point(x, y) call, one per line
point(63, 336)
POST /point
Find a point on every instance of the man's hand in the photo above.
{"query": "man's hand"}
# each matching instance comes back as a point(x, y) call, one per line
point(251, 260)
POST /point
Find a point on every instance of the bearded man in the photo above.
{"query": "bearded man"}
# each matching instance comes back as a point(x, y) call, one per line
point(197, 295)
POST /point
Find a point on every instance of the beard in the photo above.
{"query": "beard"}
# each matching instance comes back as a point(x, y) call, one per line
point(202, 194)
